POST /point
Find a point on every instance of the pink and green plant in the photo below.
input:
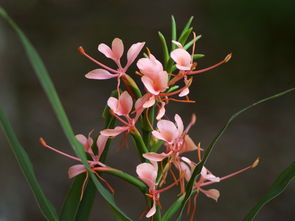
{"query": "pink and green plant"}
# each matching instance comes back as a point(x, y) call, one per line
point(131, 110)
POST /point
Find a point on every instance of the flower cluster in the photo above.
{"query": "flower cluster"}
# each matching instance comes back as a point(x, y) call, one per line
point(134, 108)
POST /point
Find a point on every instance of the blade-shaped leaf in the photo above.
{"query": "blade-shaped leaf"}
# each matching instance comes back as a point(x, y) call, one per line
point(173, 32)
point(276, 189)
point(197, 170)
point(187, 26)
point(51, 93)
point(165, 49)
point(26, 166)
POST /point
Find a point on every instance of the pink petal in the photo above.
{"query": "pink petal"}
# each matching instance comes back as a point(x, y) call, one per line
point(189, 144)
point(209, 176)
point(149, 84)
point(187, 171)
point(101, 142)
point(155, 156)
point(149, 66)
point(148, 174)
point(117, 48)
point(182, 59)
point(179, 124)
point(184, 92)
point(82, 139)
point(103, 48)
point(113, 103)
point(76, 170)
point(161, 111)
point(150, 102)
point(133, 52)
point(152, 211)
point(125, 104)
point(113, 132)
point(212, 193)
point(100, 74)
point(168, 130)
point(178, 44)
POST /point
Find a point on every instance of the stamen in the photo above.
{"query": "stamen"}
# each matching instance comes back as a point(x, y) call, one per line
point(195, 207)
point(199, 152)
point(183, 101)
point(225, 60)
point(138, 73)
point(147, 118)
point(83, 186)
point(81, 50)
point(148, 51)
point(120, 119)
point(42, 141)
point(194, 45)
point(106, 183)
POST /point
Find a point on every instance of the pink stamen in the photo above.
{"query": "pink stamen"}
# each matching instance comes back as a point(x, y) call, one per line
point(83, 186)
point(118, 118)
point(81, 50)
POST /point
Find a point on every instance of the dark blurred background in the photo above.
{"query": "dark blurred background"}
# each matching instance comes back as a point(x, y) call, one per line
point(259, 33)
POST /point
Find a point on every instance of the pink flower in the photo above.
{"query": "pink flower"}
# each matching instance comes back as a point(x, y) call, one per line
point(148, 174)
point(182, 58)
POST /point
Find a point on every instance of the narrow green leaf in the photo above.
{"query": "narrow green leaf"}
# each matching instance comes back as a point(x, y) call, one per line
point(72, 201)
point(197, 56)
point(166, 55)
point(275, 190)
point(51, 93)
point(173, 209)
point(183, 38)
point(173, 32)
point(187, 26)
point(191, 42)
point(197, 170)
point(25, 164)
point(140, 145)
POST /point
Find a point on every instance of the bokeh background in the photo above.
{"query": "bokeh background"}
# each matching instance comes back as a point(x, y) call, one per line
point(259, 33)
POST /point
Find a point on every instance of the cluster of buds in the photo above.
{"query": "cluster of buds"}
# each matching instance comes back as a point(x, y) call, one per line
point(132, 109)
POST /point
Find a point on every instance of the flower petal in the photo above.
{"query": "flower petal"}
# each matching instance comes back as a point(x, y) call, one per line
point(212, 193)
point(149, 66)
point(148, 174)
point(106, 50)
point(125, 104)
point(168, 130)
point(182, 59)
point(149, 84)
point(117, 49)
point(101, 142)
point(179, 124)
point(100, 74)
point(113, 103)
point(184, 92)
point(152, 211)
point(113, 132)
point(150, 102)
point(82, 139)
point(76, 170)
point(155, 156)
point(161, 111)
point(133, 52)
point(188, 145)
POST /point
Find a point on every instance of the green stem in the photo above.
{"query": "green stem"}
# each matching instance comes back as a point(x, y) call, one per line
point(141, 147)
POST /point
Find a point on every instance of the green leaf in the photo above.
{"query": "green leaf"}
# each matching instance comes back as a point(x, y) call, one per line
point(140, 145)
point(275, 190)
point(183, 38)
point(197, 170)
point(166, 55)
point(173, 32)
point(191, 42)
point(25, 164)
point(187, 26)
point(51, 93)
point(173, 209)
point(72, 201)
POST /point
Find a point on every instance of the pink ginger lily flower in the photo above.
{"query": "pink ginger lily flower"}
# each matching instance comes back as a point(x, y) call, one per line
point(122, 107)
point(181, 57)
point(176, 141)
point(207, 178)
point(115, 53)
point(95, 164)
point(148, 173)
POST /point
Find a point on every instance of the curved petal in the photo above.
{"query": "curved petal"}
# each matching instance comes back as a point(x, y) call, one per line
point(76, 170)
point(152, 211)
point(117, 48)
point(168, 130)
point(161, 111)
point(149, 84)
point(150, 102)
point(188, 145)
point(179, 124)
point(182, 59)
point(125, 104)
point(187, 171)
point(148, 174)
point(113, 104)
point(149, 66)
point(100, 74)
point(113, 132)
point(133, 52)
point(106, 50)
point(212, 193)
point(100, 143)
point(184, 92)
point(82, 139)
point(155, 156)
